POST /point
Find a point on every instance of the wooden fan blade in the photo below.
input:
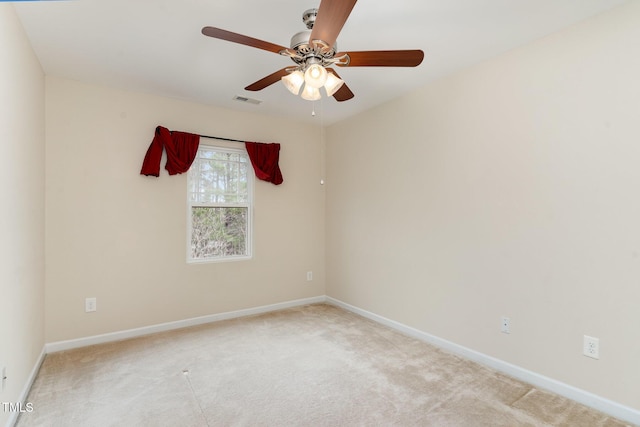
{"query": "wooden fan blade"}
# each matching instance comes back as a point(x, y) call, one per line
point(268, 81)
point(218, 33)
point(383, 58)
point(332, 14)
point(344, 93)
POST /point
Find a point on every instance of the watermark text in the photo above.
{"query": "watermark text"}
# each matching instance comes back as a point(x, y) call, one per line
point(16, 407)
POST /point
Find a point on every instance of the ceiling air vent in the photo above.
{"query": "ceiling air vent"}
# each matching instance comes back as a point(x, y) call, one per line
point(247, 100)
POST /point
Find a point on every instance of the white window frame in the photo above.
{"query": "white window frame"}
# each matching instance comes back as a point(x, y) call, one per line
point(248, 205)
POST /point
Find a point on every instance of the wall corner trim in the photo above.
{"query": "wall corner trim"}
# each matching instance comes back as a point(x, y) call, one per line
point(586, 398)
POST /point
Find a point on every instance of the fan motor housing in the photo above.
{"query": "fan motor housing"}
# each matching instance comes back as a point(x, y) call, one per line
point(300, 43)
point(300, 40)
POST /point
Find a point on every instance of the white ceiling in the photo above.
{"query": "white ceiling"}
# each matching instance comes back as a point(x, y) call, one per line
point(155, 46)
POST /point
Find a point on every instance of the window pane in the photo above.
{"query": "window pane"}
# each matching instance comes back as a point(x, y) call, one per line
point(218, 232)
point(219, 177)
point(219, 203)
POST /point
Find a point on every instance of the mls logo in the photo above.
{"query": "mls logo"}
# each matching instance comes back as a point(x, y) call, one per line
point(17, 407)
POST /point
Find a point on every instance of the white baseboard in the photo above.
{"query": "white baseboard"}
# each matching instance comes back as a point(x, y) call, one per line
point(586, 398)
point(13, 416)
point(138, 332)
point(612, 408)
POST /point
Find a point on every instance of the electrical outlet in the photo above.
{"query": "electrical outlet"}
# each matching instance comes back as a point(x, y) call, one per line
point(3, 377)
point(591, 347)
point(309, 276)
point(505, 325)
point(90, 304)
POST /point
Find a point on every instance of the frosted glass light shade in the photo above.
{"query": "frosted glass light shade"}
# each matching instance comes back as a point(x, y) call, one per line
point(293, 81)
point(310, 93)
point(332, 84)
point(315, 76)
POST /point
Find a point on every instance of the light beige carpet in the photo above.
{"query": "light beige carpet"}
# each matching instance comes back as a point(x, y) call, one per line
point(316, 365)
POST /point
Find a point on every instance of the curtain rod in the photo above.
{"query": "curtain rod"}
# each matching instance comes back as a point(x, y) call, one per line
point(221, 139)
point(218, 137)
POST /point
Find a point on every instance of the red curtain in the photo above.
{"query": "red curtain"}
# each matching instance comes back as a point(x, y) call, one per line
point(181, 150)
point(264, 158)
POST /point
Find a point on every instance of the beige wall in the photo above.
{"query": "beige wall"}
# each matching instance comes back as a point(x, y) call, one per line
point(508, 189)
point(22, 138)
point(121, 237)
point(511, 188)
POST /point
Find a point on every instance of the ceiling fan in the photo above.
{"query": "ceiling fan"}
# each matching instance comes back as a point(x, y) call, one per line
point(313, 51)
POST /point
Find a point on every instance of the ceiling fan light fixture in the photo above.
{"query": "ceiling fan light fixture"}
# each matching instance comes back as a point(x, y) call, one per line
point(310, 93)
point(293, 81)
point(332, 84)
point(315, 76)
point(314, 49)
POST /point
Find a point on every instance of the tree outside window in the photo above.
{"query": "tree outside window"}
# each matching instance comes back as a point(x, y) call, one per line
point(219, 198)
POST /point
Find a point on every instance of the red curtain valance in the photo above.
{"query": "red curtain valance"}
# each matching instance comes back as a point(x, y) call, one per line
point(264, 158)
point(181, 148)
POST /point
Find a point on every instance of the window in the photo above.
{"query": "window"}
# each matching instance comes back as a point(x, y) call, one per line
point(219, 199)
